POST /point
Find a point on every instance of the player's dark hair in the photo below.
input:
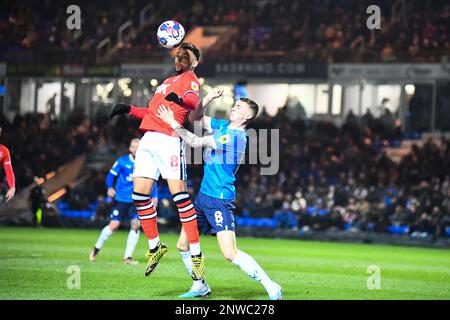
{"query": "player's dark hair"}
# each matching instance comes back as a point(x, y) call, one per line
point(193, 48)
point(253, 105)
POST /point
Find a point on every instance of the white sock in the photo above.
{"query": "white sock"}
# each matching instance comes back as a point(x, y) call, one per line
point(253, 269)
point(186, 257)
point(106, 233)
point(132, 240)
point(152, 243)
point(194, 248)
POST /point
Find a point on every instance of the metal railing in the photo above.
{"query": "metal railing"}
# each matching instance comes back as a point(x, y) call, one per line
point(121, 30)
point(105, 43)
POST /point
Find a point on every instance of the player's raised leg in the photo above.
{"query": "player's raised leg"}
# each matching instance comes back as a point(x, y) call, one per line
point(147, 215)
point(199, 288)
point(227, 244)
point(104, 235)
point(188, 219)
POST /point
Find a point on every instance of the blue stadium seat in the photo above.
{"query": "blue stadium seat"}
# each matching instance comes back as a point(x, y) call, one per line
point(398, 229)
point(93, 205)
point(347, 226)
point(256, 222)
point(246, 213)
point(85, 214)
point(62, 205)
point(447, 232)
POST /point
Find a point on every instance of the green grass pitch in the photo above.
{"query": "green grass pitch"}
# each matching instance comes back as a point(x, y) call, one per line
point(34, 265)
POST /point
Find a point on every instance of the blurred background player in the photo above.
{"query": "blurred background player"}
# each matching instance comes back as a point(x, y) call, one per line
point(5, 160)
point(124, 208)
point(162, 152)
point(215, 203)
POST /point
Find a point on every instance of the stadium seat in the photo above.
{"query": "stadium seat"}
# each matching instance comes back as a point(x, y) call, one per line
point(256, 222)
point(447, 232)
point(93, 205)
point(85, 214)
point(62, 205)
point(347, 226)
point(398, 229)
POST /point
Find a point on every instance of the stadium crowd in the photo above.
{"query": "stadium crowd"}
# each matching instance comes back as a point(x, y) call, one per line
point(39, 146)
point(329, 177)
point(341, 178)
point(321, 30)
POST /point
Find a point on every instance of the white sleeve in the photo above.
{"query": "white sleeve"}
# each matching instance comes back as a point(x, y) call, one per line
point(206, 121)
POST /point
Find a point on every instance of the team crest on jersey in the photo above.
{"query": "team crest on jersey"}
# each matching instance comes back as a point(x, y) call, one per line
point(224, 139)
point(194, 86)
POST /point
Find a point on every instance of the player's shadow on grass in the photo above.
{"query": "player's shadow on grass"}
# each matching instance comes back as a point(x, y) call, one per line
point(222, 293)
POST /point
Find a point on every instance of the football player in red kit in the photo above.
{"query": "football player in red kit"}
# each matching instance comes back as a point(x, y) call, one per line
point(162, 152)
point(5, 160)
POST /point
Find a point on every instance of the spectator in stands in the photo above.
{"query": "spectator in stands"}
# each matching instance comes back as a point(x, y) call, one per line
point(305, 30)
point(285, 217)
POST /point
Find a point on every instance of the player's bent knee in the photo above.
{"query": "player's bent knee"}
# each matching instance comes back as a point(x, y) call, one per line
point(113, 226)
point(229, 254)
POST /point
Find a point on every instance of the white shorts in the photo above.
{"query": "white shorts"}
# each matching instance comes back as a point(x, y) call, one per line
point(160, 154)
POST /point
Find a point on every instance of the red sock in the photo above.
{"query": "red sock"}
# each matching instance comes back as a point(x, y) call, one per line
point(188, 217)
point(147, 214)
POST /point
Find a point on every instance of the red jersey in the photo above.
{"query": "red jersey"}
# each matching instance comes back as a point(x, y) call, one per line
point(186, 86)
point(5, 160)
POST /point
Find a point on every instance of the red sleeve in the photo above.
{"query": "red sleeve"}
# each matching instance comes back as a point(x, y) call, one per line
point(190, 101)
point(138, 113)
point(191, 91)
point(9, 169)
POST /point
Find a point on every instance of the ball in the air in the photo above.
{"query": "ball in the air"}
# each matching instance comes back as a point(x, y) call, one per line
point(170, 34)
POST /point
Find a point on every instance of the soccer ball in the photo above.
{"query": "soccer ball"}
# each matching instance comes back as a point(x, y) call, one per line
point(170, 34)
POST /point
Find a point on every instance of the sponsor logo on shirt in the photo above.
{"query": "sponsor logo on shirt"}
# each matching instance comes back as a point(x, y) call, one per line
point(162, 88)
point(224, 139)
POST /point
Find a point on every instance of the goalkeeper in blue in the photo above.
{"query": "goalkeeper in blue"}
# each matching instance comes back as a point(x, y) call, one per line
point(215, 202)
point(119, 184)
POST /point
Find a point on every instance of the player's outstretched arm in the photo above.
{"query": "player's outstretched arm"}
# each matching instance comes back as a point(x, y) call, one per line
point(191, 139)
point(199, 113)
point(123, 108)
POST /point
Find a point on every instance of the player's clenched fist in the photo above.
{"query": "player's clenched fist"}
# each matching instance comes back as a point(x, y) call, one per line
point(121, 108)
